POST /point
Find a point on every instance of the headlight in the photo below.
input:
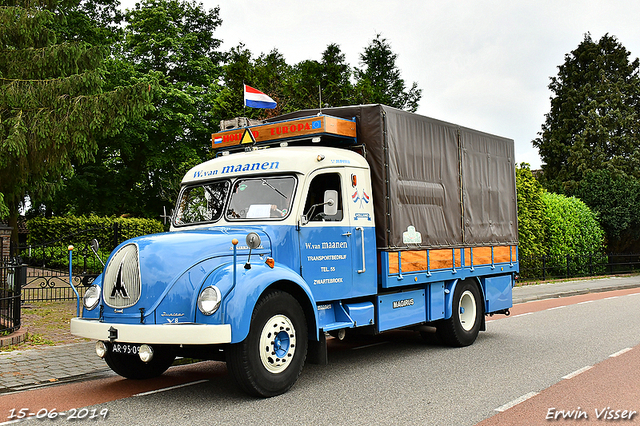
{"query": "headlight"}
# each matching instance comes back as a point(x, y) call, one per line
point(92, 297)
point(209, 300)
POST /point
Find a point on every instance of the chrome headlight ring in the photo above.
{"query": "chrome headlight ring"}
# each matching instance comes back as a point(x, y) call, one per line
point(209, 300)
point(92, 297)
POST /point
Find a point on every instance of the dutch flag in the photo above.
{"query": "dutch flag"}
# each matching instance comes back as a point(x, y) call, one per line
point(256, 99)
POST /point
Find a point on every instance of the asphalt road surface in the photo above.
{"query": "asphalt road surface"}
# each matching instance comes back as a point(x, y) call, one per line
point(547, 357)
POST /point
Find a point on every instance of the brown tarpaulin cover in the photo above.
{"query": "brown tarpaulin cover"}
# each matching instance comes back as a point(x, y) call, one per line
point(455, 186)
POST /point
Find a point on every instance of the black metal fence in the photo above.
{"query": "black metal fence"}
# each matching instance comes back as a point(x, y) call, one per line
point(573, 266)
point(47, 272)
point(12, 279)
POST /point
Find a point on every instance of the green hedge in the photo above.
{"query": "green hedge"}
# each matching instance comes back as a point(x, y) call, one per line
point(81, 229)
point(49, 238)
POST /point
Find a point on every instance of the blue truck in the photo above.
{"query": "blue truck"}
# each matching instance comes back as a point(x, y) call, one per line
point(310, 226)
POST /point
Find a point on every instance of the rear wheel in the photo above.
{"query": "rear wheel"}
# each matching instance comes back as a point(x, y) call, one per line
point(464, 325)
point(132, 367)
point(269, 361)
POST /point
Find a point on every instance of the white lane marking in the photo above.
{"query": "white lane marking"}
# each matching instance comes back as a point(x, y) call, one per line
point(521, 315)
point(585, 302)
point(612, 297)
point(171, 388)
point(515, 402)
point(575, 373)
point(619, 353)
point(557, 307)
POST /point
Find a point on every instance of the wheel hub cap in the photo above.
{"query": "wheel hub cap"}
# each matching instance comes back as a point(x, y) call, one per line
point(467, 310)
point(277, 343)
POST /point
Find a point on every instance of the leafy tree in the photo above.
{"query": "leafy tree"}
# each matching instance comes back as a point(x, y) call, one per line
point(594, 121)
point(379, 80)
point(571, 228)
point(616, 200)
point(53, 105)
point(331, 75)
point(139, 170)
point(292, 87)
point(4, 211)
point(531, 209)
point(272, 75)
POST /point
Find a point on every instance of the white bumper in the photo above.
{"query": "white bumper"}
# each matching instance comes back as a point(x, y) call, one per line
point(169, 334)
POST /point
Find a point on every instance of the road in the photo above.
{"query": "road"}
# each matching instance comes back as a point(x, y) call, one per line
point(551, 355)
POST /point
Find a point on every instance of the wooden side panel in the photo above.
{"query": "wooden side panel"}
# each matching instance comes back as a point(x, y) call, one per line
point(482, 256)
point(502, 254)
point(416, 260)
point(442, 259)
point(340, 127)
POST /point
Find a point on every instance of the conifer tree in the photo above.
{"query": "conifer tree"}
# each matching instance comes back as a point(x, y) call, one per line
point(52, 103)
point(380, 82)
point(593, 122)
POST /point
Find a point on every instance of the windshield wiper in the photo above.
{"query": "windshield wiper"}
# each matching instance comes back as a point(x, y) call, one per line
point(264, 182)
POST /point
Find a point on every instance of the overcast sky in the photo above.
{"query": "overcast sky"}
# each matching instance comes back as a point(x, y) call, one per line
point(480, 64)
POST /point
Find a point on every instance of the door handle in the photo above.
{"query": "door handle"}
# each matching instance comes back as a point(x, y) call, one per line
point(364, 269)
point(346, 234)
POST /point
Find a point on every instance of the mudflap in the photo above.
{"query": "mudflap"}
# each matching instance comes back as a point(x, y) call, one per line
point(317, 351)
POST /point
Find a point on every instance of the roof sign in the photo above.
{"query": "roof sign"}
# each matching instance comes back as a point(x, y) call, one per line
point(290, 129)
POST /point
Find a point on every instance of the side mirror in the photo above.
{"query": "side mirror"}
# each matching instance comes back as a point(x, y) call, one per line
point(330, 204)
point(94, 248)
point(253, 242)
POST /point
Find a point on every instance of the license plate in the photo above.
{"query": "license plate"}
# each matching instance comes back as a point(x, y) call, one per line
point(125, 348)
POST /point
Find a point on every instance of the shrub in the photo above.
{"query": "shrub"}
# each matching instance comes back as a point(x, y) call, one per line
point(531, 229)
point(570, 227)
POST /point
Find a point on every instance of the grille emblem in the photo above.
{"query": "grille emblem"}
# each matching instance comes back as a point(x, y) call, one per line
point(122, 281)
point(119, 288)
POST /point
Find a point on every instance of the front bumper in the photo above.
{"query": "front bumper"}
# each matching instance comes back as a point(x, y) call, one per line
point(165, 334)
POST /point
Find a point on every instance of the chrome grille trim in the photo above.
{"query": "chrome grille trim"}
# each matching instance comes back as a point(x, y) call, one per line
point(122, 281)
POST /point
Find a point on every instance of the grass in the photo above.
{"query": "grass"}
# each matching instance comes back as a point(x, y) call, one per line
point(46, 324)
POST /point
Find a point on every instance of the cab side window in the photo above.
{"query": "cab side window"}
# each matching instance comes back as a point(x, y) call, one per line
point(314, 208)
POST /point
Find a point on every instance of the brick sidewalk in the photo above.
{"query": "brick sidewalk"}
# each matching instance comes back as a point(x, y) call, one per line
point(20, 370)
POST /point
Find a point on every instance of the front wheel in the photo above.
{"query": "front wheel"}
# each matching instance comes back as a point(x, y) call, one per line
point(269, 361)
point(464, 325)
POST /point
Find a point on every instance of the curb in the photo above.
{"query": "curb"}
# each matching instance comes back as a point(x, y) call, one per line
point(532, 298)
point(14, 338)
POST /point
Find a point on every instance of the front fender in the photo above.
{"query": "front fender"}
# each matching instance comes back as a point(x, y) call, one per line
point(239, 301)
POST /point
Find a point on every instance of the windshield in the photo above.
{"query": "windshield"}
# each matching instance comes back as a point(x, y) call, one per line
point(203, 203)
point(261, 198)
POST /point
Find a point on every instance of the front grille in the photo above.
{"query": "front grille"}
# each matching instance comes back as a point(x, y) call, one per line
point(122, 278)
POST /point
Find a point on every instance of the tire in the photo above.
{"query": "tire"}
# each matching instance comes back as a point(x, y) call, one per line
point(464, 325)
point(268, 363)
point(132, 367)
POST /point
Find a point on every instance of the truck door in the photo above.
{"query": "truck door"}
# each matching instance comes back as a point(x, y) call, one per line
point(359, 210)
point(329, 243)
point(325, 243)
